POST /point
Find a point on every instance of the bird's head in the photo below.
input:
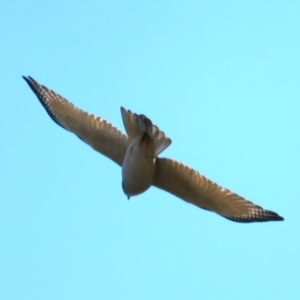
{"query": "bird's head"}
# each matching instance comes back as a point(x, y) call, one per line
point(125, 191)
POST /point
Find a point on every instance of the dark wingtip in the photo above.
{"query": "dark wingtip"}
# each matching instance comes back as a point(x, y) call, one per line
point(271, 216)
point(274, 216)
point(279, 218)
point(266, 217)
point(38, 89)
point(25, 78)
point(30, 81)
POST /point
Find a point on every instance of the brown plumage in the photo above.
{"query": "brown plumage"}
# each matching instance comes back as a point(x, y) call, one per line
point(137, 155)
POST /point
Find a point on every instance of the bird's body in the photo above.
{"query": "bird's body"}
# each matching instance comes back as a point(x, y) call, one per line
point(146, 140)
point(137, 154)
point(138, 168)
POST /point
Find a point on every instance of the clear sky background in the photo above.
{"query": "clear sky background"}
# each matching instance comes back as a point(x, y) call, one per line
point(220, 78)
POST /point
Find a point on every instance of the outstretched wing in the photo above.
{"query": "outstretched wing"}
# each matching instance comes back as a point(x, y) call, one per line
point(96, 132)
point(194, 188)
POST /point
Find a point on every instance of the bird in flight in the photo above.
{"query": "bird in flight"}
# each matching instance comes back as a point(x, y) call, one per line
point(137, 154)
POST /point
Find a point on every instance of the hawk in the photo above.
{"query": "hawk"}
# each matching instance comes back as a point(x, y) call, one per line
point(137, 154)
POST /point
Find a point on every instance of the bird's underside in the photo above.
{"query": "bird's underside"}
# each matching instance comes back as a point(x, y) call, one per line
point(169, 175)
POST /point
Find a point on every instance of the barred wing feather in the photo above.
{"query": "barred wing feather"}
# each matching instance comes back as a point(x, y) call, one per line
point(194, 188)
point(96, 132)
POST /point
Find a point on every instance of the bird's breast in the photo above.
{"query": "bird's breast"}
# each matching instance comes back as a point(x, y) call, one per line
point(137, 170)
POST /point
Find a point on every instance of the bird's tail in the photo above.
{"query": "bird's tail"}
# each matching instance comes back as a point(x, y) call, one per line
point(137, 125)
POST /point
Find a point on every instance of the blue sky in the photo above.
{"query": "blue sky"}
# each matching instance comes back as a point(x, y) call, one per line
point(220, 78)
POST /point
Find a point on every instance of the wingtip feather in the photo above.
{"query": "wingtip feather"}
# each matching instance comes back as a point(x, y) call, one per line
point(266, 216)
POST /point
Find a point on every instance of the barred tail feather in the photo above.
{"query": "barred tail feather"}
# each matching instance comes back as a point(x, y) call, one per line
point(137, 125)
